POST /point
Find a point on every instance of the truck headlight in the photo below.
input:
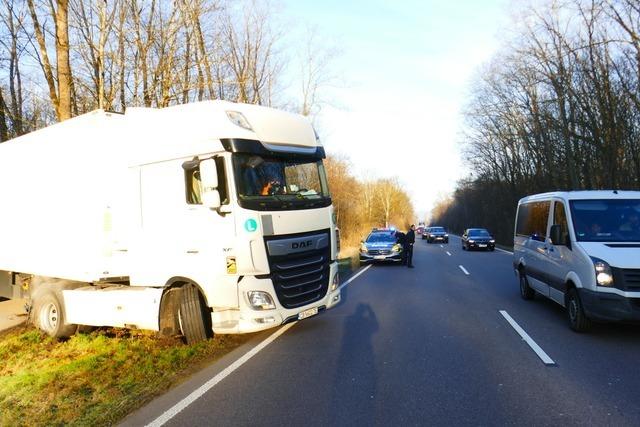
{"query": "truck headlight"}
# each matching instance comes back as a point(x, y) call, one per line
point(397, 247)
point(604, 275)
point(335, 282)
point(259, 300)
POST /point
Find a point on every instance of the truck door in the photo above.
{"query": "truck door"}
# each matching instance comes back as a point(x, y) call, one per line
point(211, 235)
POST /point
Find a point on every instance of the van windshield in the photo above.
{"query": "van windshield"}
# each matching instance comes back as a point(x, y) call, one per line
point(606, 220)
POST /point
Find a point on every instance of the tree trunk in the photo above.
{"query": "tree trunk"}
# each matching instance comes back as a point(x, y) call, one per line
point(62, 54)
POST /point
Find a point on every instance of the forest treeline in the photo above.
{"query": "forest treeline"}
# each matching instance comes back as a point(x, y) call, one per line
point(62, 58)
point(557, 108)
point(361, 204)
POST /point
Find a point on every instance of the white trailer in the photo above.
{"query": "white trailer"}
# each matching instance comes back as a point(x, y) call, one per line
point(203, 218)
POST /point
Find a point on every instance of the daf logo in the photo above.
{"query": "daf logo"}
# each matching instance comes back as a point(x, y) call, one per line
point(300, 245)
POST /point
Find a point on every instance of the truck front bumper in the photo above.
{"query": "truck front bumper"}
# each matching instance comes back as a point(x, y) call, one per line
point(245, 319)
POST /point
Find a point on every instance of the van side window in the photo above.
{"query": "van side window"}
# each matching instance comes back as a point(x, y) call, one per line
point(560, 218)
point(532, 220)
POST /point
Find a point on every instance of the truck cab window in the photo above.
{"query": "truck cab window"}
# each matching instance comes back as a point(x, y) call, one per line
point(222, 181)
point(193, 183)
point(193, 186)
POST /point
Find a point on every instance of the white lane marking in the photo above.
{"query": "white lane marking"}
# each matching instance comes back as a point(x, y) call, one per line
point(506, 252)
point(448, 253)
point(464, 270)
point(442, 246)
point(196, 394)
point(352, 278)
point(535, 347)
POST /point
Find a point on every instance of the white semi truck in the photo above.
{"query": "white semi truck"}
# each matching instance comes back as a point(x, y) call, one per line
point(210, 217)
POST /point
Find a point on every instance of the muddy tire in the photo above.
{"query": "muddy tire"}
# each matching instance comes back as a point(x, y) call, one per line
point(194, 317)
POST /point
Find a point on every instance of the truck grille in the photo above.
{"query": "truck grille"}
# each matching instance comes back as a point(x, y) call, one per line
point(300, 278)
point(627, 279)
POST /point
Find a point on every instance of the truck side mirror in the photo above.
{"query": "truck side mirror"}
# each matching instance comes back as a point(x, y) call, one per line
point(209, 180)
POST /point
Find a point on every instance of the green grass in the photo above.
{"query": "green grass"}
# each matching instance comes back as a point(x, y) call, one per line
point(93, 379)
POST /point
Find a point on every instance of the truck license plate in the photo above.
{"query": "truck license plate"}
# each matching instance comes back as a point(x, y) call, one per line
point(308, 313)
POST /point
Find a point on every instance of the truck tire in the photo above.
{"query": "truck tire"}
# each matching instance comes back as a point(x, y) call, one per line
point(578, 321)
point(525, 290)
point(194, 318)
point(49, 315)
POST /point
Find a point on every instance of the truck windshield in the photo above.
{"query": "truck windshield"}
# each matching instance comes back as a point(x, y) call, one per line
point(606, 220)
point(268, 183)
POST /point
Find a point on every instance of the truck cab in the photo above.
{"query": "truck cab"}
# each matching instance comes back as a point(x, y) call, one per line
point(211, 217)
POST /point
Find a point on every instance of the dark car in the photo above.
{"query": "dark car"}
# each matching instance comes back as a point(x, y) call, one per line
point(381, 246)
point(436, 234)
point(478, 238)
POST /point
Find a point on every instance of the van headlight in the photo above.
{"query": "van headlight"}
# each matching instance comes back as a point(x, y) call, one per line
point(259, 300)
point(604, 275)
point(397, 247)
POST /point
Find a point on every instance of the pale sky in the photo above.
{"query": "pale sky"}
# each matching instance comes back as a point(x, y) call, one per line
point(404, 71)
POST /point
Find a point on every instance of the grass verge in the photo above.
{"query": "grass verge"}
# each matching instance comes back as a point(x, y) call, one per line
point(100, 377)
point(96, 378)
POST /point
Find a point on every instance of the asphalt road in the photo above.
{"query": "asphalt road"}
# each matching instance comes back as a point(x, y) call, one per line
point(425, 346)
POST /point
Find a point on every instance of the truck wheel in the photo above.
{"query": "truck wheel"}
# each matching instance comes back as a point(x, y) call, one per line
point(194, 318)
point(578, 321)
point(50, 317)
point(525, 290)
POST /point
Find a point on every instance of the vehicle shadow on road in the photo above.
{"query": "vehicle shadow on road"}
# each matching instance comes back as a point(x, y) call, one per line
point(354, 385)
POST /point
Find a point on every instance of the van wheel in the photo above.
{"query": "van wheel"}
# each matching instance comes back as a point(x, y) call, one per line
point(525, 290)
point(578, 321)
point(49, 315)
point(193, 316)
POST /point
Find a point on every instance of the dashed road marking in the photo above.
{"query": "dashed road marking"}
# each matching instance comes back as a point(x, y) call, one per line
point(535, 347)
point(448, 253)
point(464, 270)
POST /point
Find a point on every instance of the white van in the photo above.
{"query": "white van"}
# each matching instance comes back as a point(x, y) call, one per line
point(582, 250)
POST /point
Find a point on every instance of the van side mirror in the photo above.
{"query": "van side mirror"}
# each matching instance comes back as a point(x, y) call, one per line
point(209, 180)
point(557, 237)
